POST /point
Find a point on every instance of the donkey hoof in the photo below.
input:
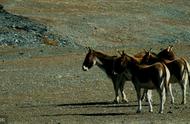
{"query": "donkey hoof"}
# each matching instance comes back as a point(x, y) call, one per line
point(183, 103)
point(125, 101)
point(151, 111)
point(161, 112)
point(116, 102)
point(172, 102)
point(138, 111)
point(144, 99)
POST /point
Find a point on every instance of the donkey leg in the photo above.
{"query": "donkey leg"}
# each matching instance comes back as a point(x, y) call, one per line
point(162, 94)
point(116, 100)
point(124, 98)
point(171, 93)
point(183, 84)
point(116, 89)
point(138, 90)
point(149, 98)
point(144, 96)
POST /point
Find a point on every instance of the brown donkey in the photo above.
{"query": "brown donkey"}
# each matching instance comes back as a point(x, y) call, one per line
point(106, 63)
point(178, 67)
point(148, 77)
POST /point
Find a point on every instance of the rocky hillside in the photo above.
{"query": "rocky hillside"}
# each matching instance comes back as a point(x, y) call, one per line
point(123, 23)
point(21, 31)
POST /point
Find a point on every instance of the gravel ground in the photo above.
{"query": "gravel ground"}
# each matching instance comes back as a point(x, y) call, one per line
point(47, 85)
point(43, 47)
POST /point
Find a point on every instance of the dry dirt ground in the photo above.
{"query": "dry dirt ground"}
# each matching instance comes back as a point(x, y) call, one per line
point(46, 84)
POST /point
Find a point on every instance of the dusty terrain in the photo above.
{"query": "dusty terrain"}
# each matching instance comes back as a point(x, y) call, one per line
point(45, 84)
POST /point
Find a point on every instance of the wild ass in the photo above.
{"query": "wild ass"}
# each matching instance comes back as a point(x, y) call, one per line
point(106, 63)
point(178, 67)
point(154, 76)
point(167, 53)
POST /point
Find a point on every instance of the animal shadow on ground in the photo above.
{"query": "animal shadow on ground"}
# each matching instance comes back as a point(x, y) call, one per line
point(95, 105)
point(89, 105)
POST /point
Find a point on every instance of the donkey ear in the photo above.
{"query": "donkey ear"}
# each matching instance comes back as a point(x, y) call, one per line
point(86, 48)
point(121, 52)
point(149, 53)
point(171, 47)
point(145, 50)
point(89, 49)
point(168, 49)
point(150, 50)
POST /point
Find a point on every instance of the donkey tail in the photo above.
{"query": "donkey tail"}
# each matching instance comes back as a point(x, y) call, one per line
point(166, 77)
point(187, 66)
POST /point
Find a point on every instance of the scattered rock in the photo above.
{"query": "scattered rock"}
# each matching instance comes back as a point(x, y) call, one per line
point(21, 31)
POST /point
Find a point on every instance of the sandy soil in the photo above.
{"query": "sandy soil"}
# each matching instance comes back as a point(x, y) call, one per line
point(47, 85)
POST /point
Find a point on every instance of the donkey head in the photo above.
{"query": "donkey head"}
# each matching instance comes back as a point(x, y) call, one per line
point(149, 58)
point(121, 63)
point(146, 57)
point(89, 60)
point(167, 53)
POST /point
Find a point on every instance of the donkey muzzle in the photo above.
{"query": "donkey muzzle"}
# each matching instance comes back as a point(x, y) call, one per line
point(84, 68)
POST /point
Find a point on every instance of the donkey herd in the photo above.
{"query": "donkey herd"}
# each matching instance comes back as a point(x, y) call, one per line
point(147, 70)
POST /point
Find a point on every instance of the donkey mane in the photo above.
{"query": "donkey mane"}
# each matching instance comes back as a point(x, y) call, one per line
point(134, 60)
point(102, 55)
